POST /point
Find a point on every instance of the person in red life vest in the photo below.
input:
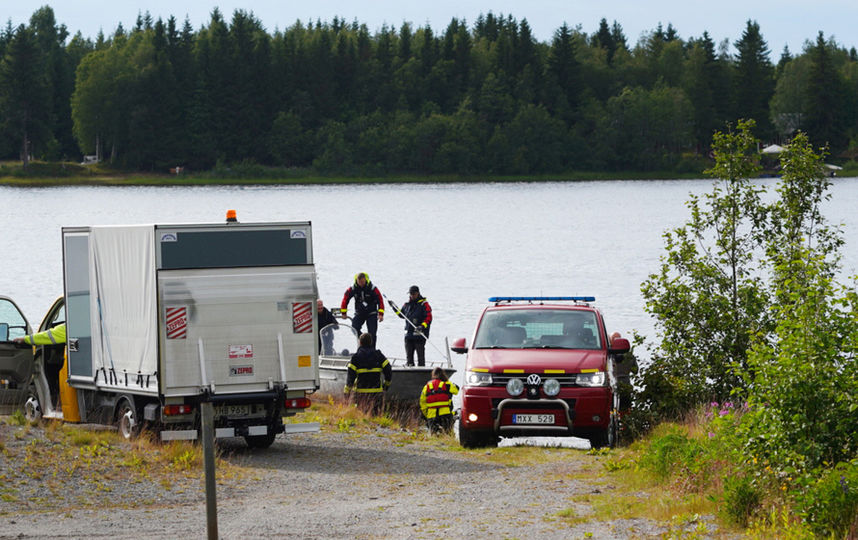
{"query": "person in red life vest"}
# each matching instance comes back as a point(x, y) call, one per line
point(369, 375)
point(418, 315)
point(369, 305)
point(436, 402)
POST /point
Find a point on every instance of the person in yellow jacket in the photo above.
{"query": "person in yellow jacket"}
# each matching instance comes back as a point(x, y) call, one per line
point(51, 336)
point(436, 401)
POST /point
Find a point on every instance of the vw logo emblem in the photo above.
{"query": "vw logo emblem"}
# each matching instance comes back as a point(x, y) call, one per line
point(533, 379)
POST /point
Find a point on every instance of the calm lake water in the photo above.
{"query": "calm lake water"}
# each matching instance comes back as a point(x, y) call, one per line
point(461, 243)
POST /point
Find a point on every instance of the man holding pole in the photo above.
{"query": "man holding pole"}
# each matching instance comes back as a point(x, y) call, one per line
point(418, 318)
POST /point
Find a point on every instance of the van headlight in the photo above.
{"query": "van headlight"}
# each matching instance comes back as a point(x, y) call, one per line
point(591, 379)
point(515, 387)
point(478, 378)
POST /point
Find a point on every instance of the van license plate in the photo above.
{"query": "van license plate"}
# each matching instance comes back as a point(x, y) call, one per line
point(533, 419)
point(232, 410)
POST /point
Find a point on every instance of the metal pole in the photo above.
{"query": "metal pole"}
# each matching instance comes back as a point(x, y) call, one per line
point(209, 465)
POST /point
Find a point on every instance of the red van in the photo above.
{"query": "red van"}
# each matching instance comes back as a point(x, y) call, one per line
point(539, 366)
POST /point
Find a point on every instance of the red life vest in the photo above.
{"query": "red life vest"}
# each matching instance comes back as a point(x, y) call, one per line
point(438, 394)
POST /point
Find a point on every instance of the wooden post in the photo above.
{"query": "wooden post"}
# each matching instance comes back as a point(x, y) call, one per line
point(209, 465)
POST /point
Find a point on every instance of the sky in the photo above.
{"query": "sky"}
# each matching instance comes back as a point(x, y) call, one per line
point(785, 22)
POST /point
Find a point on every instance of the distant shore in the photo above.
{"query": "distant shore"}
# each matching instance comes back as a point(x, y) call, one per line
point(49, 174)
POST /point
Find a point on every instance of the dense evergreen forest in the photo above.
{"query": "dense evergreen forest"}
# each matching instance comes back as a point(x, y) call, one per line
point(334, 97)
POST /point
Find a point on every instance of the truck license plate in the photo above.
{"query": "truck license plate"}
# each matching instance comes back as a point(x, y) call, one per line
point(533, 419)
point(232, 410)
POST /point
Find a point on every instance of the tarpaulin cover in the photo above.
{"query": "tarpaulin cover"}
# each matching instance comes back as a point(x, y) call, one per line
point(123, 302)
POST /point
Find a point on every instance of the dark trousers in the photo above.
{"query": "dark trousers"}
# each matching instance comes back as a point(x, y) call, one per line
point(412, 345)
point(370, 403)
point(440, 424)
point(371, 320)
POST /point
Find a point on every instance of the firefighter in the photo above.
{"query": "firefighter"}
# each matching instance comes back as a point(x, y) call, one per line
point(418, 313)
point(51, 336)
point(369, 375)
point(436, 402)
point(369, 305)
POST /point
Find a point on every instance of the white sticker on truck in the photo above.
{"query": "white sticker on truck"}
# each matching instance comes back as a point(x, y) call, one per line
point(240, 351)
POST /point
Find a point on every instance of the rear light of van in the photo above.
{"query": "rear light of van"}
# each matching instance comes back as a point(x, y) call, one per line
point(174, 410)
point(297, 403)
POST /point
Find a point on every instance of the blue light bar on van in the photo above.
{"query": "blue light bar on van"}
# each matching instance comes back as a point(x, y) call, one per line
point(542, 299)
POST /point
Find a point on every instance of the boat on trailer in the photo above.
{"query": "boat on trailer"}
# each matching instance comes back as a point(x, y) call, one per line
point(340, 342)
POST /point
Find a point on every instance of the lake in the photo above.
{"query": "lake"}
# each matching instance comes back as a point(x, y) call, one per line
point(460, 243)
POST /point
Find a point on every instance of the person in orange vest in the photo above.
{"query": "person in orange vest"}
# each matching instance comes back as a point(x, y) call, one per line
point(436, 402)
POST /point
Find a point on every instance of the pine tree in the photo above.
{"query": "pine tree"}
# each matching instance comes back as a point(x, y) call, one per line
point(25, 105)
point(754, 83)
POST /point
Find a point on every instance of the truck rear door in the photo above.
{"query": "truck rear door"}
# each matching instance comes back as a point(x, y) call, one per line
point(237, 330)
point(236, 308)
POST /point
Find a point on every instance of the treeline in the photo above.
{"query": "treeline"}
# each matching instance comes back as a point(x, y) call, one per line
point(335, 97)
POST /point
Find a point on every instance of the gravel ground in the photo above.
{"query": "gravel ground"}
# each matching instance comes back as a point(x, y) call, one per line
point(332, 484)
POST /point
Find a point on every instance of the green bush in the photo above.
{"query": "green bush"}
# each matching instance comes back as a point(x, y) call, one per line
point(672, 453)
point(741, 499)
point(828, 500)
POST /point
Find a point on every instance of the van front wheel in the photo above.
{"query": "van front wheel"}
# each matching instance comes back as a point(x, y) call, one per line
point(32, 407)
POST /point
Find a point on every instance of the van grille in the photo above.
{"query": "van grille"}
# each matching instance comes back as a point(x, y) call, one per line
point(563, 379)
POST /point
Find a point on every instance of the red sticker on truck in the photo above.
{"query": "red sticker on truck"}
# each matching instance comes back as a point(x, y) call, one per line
point(302, 317)
point(177, 322)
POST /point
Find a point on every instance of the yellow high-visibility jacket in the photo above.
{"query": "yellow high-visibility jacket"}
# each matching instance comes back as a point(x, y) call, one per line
point(51, 336)
point(436, 399)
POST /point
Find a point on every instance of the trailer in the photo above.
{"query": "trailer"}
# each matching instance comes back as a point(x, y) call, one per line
point(161, 318)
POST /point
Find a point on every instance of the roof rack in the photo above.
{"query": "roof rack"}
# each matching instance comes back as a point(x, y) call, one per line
point(531, 299)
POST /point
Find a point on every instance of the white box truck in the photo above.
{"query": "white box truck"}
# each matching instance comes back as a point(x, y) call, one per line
point(161, 318)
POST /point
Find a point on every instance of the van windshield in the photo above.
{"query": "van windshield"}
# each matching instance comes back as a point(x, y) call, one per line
point(538, 329)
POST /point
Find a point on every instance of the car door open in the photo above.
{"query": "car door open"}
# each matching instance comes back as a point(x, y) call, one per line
point(16, 361)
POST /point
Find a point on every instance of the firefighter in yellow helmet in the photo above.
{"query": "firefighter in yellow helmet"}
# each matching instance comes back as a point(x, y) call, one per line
point(436, 401)
point(51, 336)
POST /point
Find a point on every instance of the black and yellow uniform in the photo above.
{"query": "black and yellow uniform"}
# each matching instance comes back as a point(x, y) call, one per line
point(369, 375)
point(418, 319)
point(369, 304)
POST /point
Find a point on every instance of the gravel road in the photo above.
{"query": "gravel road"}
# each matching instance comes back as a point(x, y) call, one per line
point(381, 484)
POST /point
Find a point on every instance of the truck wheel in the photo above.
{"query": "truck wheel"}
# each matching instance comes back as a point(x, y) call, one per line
point(260, 441)
point(32, 407)
point(469, 438)
point(127, 420)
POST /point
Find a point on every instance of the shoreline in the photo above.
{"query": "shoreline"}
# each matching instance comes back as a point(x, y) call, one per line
point(161, 180)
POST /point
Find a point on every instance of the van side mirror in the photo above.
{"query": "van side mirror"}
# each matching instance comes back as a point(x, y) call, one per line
point(4, 331)
point(459, 346)
point(619, 346)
